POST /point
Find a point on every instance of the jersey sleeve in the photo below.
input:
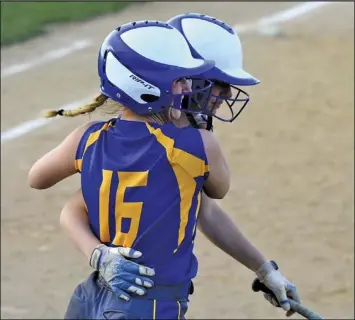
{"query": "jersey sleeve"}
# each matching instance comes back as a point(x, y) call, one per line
point(190, 152)
point(84, 143)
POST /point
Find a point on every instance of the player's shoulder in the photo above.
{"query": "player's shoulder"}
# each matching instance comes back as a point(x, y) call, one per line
point(171, 130)
point(94, 126)
point(86, 127)
point(85, 131)
point(187, 139)
point(208, 138)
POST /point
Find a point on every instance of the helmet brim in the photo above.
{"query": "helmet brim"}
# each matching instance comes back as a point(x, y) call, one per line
point(236, 76)
point(202, 67)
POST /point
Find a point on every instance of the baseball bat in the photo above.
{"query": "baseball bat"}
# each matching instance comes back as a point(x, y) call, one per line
point(295, 306)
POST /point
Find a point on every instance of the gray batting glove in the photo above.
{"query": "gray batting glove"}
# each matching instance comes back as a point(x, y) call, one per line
point(201, 120)
point(122, 275)
point(282, 288)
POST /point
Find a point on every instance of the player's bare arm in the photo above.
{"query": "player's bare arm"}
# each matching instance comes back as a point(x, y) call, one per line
point(74, 221)
point(58, 164)
point(217, 184)
point(221, 230)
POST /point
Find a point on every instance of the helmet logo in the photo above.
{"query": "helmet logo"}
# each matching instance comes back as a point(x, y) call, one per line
point(139, 80)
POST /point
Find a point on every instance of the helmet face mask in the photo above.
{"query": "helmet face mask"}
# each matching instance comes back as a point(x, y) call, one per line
point(236, 102)
point(140, 74)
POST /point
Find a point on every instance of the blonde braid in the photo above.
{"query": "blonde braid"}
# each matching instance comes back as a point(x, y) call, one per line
point(98, 102)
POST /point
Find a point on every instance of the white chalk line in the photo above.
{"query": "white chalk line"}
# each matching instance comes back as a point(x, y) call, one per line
point(45, 58)
point(31, 125)
point(13, 311)
point(281, 16)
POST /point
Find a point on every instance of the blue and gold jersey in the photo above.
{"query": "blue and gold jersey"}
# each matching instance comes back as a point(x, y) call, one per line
point(142, 187)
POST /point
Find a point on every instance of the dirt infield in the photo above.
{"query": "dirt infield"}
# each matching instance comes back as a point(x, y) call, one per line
point(291, 155)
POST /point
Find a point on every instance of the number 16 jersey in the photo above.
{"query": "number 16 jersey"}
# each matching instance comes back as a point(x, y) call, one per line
point(142, 184)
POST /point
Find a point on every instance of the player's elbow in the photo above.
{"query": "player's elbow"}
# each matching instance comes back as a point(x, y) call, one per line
point(221, 194)
point(38, 186)
point(36, 180)
point(63, 221)
point(217, 192)
point(35, 183)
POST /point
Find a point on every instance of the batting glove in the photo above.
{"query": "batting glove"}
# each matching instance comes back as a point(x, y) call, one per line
point(122, 275)
point(202, 121)
point(282, 288)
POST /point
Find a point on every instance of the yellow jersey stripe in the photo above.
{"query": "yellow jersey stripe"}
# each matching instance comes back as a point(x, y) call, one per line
point(179, 309)
point(104, 205)
point(154, 309)
point(93, 137)
point(186, 167)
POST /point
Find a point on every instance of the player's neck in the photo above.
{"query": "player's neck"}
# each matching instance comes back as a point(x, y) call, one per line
point(182, 122)
point(129, 115)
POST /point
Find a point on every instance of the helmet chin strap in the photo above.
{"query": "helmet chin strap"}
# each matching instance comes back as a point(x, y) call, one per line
point(209, 123)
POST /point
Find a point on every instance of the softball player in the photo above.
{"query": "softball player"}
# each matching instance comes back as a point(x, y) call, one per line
point(201, 32)
point(211, 38)
point(141, 176)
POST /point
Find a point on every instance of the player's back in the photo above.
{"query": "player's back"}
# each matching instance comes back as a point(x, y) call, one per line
point(141, 183)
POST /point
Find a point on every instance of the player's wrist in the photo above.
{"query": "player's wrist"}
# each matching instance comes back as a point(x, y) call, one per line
point(265, 269)
point(96, 256)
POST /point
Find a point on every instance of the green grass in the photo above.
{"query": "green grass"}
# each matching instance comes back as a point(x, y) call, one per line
point(23, 20)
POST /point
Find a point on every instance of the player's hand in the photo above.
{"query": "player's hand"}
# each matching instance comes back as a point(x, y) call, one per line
point(282, 288)
point(202, 121)
point(125, 277)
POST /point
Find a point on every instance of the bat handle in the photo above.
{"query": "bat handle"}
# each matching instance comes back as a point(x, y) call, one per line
point(295, 306)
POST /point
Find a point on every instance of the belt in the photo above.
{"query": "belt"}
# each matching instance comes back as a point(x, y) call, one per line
point(178, 292)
